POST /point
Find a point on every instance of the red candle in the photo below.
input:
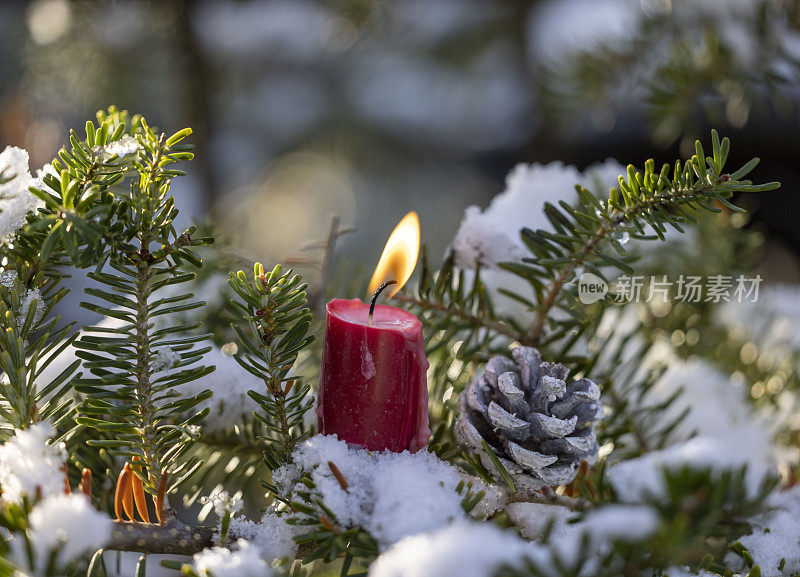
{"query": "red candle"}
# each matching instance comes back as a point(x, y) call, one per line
point(373, 388)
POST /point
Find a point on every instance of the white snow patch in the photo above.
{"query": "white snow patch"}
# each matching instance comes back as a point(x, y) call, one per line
point(69, 520)
point(27, 299)
point(28, 462)
point(776, 535)
point(459, 550)
point(15, 199)
point(491, 236)
point(245, 561)
point(717, 408)
point(629, 523)
point(229, 382)
point(392, 495)
point(123, 147)
point(165, 358)
point(272, 535)
point(773, 320)
point(222, 502)
point(642, 478)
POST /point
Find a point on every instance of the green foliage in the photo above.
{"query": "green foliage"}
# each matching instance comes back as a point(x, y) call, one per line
point(81, 212)
point(108, 208)
point(680, 67)
point(590, 235)
point(463, 329)
point(643, 207)
point(454, 310)
point(129, 237)
point(29, 342)
point(274, 308)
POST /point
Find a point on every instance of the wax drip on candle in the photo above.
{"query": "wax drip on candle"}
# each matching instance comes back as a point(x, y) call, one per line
point(375, 296)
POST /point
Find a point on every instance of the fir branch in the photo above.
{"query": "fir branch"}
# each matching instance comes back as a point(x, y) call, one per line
point(680, 66)
point(150, 418)
point(30, 340)
point(580, 238)
point(274, 307)
point(172, 537)
point(644, 199)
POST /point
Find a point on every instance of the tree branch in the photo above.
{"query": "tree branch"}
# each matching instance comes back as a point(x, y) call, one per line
point(548, 497)
point(611, 222)
point(172, 537)
point(498, 327)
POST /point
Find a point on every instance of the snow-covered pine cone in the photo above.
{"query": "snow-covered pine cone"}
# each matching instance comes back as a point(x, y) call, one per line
point(539, 426)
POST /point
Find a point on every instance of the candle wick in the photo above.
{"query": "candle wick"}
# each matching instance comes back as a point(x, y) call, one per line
point(375, 296)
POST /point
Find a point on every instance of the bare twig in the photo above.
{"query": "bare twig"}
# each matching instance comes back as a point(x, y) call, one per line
point(548, 497)
point(498, 327)
point(172, 537)
point(328, 248)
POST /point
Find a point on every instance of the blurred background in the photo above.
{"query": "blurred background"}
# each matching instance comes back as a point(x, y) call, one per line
point(367, 109)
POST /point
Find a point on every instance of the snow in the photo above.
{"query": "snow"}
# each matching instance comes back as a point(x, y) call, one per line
point(687, 571)
point(165, 358)
point(245, 561)
point(563, 33)
point(122, 147)
point(229, 383)
point(533, 519)
point(28, 462)
point(71, 520)
point(462, 549)
point(774, 319)
point(626, 523)
point(717, 409)
point(391, 495)
point(602, 525)
point(640, 479)
point(490, 236)
point(272, 535)
point(9, 279)
point(223, 503)
point(562, 29)
point(15, 199)
point(713, 405)
point(32, 298)
point(776, 535)
point(771, 329)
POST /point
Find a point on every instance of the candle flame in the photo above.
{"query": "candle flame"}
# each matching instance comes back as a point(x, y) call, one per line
point(399, 255)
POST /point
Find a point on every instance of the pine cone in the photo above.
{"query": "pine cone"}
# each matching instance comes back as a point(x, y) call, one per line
point(539, 426)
